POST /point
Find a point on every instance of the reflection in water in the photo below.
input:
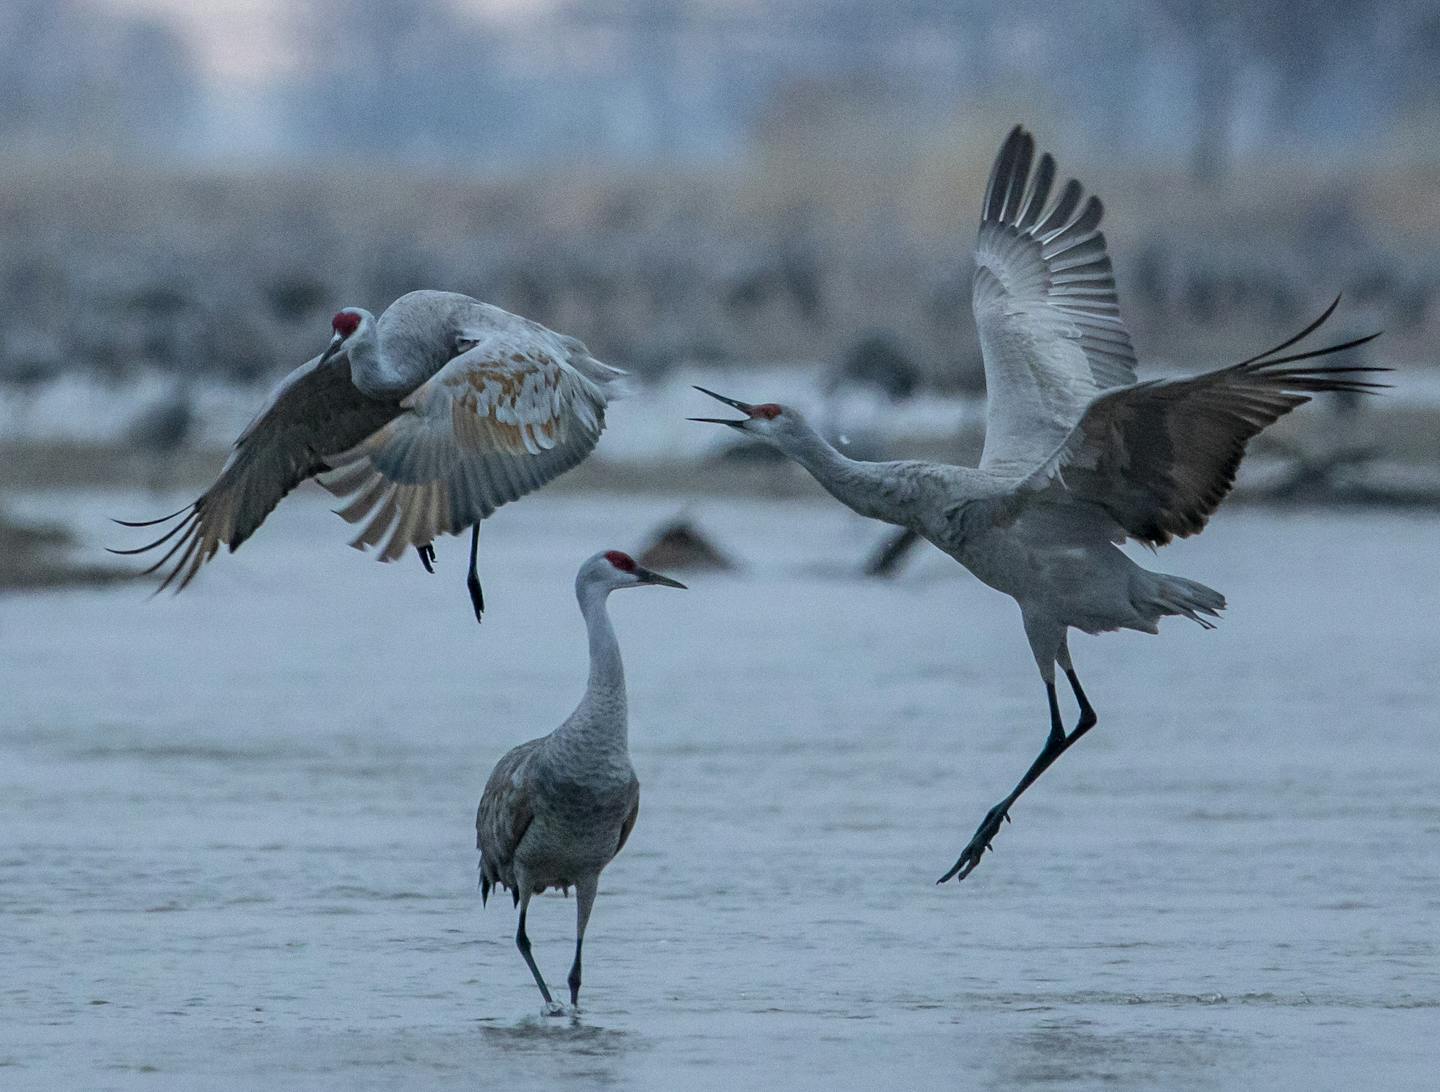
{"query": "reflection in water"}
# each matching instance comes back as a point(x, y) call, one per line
point(594, 1050)
point(1068, 1052)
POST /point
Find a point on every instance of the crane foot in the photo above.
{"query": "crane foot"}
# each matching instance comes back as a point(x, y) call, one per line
point(477, 597)
point(970, 857)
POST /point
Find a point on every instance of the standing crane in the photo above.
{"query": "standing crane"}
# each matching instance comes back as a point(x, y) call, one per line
point(431, 417)
point(1078, 456)
point(556, 810)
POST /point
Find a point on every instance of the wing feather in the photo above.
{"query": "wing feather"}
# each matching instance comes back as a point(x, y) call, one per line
point(1045, 307)
point(1160, 456)
point(314, 413)
point(497, 422)
point(629, 824)
point(504, 815)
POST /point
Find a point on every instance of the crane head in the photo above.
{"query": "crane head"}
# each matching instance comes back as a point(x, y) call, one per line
point(347, 323)
point(766, 421)
point(614, 569)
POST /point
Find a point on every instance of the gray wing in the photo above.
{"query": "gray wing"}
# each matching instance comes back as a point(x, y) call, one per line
point(629, 824)
point(505, 812)
point(315, 413)
point(509, 414)
point(1159, 457)
point(1045, 307)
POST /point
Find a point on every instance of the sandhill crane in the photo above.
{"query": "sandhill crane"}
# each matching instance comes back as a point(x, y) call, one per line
point(556, 810)
point(432, 416)
point(1078, 456)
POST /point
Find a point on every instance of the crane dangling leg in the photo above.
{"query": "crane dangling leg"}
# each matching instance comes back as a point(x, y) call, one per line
point(472, 580)
point(427, 556)
point(1056, 744)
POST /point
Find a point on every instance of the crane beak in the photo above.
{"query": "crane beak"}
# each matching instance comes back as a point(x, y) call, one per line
point(743, 407)
point(647, 577)
point(330, 350)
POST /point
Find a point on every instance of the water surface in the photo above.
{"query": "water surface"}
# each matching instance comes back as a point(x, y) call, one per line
point(238, 842)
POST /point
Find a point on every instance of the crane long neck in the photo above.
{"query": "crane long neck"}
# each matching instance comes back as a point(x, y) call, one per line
point(603, 707)
point(883, 491)
point(387, 368)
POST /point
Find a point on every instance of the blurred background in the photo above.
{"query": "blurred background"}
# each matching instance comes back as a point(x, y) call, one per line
point(237, 821)
point(790, 189)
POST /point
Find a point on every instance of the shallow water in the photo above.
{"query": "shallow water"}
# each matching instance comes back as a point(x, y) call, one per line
point(238, 841)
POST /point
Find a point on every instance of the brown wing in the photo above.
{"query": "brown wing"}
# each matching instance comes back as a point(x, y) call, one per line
point(1159, 457)
point(629, 824)
point(504, 815)
point(315, 413)
point(498, 421)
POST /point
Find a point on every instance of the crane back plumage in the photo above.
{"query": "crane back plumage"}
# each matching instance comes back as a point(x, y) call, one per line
point(456, 408)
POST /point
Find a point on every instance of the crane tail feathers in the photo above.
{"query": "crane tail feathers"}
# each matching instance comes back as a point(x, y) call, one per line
point(1159, 595)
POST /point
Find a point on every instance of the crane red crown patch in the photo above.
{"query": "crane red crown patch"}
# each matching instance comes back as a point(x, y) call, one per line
point(769, 411)
point(624, 562)
point(344, 323)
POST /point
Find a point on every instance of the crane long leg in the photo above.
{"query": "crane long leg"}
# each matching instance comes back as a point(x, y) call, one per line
point(584, 900)
point(1056, 744)
point(523, 943)
point(472, 580)
point(1088, 717)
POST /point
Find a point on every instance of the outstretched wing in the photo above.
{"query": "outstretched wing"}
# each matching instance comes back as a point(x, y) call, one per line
point(1045, 308)
point(1159, 457)
point(504, 816)
point(314, 413)
point(499, 420)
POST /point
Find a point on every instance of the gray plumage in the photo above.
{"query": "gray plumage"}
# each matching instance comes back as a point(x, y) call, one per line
point(433, 416)
point(556, 810)
point(1078, 456)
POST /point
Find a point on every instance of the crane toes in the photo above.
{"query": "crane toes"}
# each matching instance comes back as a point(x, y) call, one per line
point(970, 857)
point(477, 597)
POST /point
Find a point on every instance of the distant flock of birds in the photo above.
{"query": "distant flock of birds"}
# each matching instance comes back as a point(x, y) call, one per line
point(433, 415)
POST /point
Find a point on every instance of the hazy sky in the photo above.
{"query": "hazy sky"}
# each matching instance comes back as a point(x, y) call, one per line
point(246, 41)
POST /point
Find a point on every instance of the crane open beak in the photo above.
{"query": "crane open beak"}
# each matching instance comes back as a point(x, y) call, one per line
point(648, 577)
point(743, 407)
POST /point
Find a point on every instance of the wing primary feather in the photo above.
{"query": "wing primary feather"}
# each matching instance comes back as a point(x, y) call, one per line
point(162, 539)
point(1255, 363)
point(1061, 210)
point(1038, 194)
point(375, 530)
point(1019, 175)
point(189, 536)
point(1087, 221)
point(190, 552)
point(410, 515)
point(998, 186)
point(201, 556)
point(363, 501)
point(152, 522)
point(1298, 337)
